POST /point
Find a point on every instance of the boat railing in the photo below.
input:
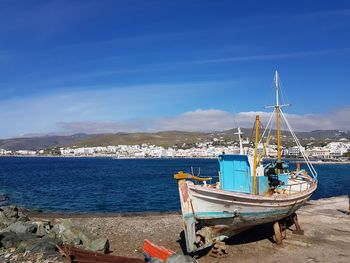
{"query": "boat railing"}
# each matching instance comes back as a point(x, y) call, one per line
point(292, 188)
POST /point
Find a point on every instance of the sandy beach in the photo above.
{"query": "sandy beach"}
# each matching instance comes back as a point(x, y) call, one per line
point(326, 238)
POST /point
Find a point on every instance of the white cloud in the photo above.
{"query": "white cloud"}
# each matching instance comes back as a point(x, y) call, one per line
point(94, 127)
point(213, 120)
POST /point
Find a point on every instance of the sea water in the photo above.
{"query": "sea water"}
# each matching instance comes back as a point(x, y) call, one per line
point(120, 185)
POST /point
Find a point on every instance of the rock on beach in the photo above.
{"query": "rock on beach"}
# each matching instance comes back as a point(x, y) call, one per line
point(22, 240)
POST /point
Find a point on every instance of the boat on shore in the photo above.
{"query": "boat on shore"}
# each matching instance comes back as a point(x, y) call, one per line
point(248, 192)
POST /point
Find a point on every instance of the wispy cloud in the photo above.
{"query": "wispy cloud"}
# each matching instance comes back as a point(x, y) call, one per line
point(94, 127)
point(262, 57)
point(336, 12)
point(168, 66)
point(212, 120)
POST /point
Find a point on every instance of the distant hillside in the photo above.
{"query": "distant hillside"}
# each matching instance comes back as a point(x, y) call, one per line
point(166, 139)
point(42, 142)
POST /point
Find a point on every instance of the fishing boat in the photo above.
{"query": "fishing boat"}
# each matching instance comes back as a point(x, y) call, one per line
point(248, 193)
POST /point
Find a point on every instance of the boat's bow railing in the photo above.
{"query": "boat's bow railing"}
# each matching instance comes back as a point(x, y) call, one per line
point(297, 183)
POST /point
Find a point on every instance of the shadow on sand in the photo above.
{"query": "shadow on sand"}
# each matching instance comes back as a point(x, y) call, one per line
point(257, 233)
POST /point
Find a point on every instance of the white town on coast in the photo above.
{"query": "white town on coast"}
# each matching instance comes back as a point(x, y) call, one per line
point(332, 151)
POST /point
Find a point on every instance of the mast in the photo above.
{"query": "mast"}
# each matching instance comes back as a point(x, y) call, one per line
point(279, 113)
point(278, 120)
point(257, 120)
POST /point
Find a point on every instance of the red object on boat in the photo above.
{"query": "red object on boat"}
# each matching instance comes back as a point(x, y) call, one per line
point(156, 251)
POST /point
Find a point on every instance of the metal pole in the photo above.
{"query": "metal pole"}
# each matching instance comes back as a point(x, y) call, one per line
point(277, 107)
point(256, 153)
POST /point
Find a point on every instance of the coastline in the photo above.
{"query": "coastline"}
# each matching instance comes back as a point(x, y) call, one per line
point(317, 217)
point(292, 160)
point(97, 214)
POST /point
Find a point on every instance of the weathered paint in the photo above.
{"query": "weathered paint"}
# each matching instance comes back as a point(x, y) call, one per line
point(211, 215)
point(263, 184)
point(183, 192)
point(227, 213)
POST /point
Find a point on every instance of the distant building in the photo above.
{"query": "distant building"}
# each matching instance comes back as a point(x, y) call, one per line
point(318, 152)
point(295, 151)
point(5, 152)
point(25, 152)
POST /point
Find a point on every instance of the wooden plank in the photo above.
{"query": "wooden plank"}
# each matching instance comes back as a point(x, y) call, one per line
point(78, 255)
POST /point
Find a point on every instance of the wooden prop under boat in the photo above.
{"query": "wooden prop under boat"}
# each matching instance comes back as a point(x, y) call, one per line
point(247, 193)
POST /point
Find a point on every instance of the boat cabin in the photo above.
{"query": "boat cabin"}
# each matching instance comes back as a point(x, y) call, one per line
point(236, 174)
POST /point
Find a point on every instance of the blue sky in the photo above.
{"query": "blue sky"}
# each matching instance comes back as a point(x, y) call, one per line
point(109, 66)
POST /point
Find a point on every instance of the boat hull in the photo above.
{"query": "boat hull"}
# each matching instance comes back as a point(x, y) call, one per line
point(224, 213)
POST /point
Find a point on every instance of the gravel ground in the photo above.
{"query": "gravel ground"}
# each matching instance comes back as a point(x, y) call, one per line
point(326, 238)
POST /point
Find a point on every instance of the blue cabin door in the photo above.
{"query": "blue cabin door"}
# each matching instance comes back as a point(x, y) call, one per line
point(235, 173)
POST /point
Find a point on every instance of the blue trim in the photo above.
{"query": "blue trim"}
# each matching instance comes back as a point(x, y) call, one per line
point(278, 212)
point(209, 215)
point(215, 215)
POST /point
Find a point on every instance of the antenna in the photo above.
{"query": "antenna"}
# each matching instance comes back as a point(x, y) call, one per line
point(239, 133)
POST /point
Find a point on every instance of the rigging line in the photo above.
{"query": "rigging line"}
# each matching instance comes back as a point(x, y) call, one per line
point(284, 94)
point(270, 94)
point(307, 160)
point(251, 138)
point(267, 126)
point(301, 151)
point(311, 168)
point(237, 118)
point(268, 135)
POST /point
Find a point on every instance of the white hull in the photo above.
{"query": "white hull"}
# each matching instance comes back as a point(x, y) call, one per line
point(226, 213)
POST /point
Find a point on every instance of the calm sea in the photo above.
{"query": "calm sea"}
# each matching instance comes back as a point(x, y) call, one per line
point(115, 185)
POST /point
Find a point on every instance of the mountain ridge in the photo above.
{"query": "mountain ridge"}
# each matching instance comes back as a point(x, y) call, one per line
point(161, 138)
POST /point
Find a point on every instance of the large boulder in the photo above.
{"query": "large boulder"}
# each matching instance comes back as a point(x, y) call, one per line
point(100, 245)
point(21, 227)
point(69, 232)
point(11, 239)
point(9, 215)
point(43, 228)
point(176, 258)
point(44, 245)
point(4, 200)
point(10, 211)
